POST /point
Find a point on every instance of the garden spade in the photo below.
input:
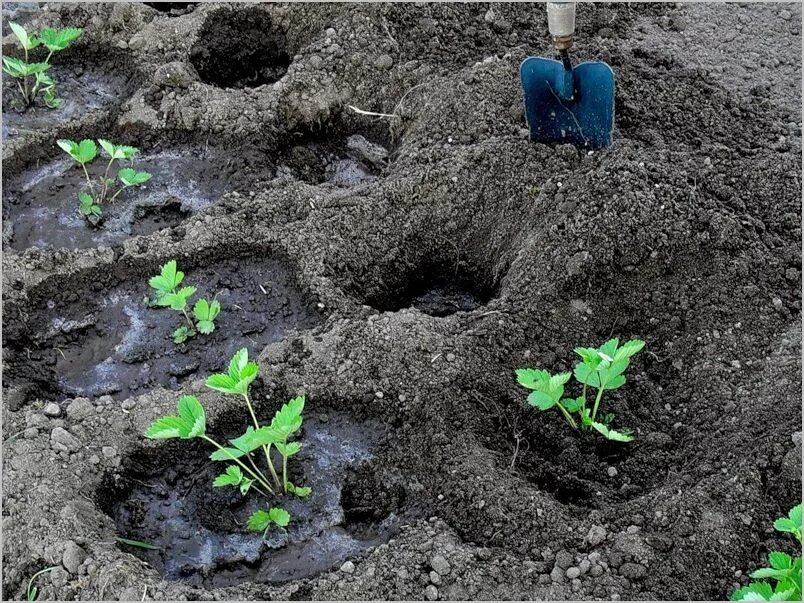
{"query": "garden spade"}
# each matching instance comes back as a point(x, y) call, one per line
point(565, 103)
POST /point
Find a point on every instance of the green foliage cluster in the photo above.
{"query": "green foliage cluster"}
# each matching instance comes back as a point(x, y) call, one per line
point(243, 471)
point(784, 570)
point(600, 368)
point(55, 40)
point(90, 204)
point(170, 294)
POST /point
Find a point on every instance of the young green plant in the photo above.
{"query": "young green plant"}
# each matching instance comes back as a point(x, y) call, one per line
point(91, 202)
point(21, 69)
point(601, 369)
point(784, 570)
point(242, 472)
point(170, 294)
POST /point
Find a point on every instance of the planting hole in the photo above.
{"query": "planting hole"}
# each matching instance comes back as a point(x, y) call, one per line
point(41, 204)
point(166, 499)
point(111, 343)
point(240, 49)
point(173, 9)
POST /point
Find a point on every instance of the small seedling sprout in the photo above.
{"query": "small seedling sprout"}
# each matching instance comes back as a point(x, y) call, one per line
point(242, 472)
point(169, 294)
point(784, 570)
point(600, 368)
point(20, 69)
point(90, 204)
point(33, 590)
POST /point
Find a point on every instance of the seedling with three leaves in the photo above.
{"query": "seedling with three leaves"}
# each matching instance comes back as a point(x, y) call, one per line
point(90, 204)
point(170, 294)
point(243, 471)
point(601, 369)
point(784, 570)
point(21, 69)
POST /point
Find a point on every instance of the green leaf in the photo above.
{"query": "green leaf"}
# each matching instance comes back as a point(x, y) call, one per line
point(190, 410)
point(86, 151)
point(756, 591)
point(203, 310)
point(531, 378)
point(259, 521)
point(288, 419)
point(609, 348)
point(14, 67)
point(226, 454)
point(86, 204)
point(205, 326)
point(288, 449)
point(780, 561)
point(26, 41)
point(168, 279)
point(573, 404)
point(300, 491)
point(107, 146)
point(629, 348)
point(615, 382)
point(589, 356)
point(557, 381)
point(222, 383)
point(50, 98)
point(541, 400)
point(586, 374)
point(279, 516)
point(137, 543)
point(238, 363)
point(34, 68)
point(166, 427)
point(768, 572)
point(253, 439)
point(177, 300)
point(182, 334)
point(118, 151)
point(44, 79)
point(57, 40)
point(231, 477)
point(610, 433)
point(246, 485)
point(131, 177)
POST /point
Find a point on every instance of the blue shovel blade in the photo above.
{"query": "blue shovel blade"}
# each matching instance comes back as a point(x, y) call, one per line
point(574, 107)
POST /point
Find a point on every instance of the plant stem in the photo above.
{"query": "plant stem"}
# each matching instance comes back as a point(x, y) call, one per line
point(597, 400)
point(567, 416)
point(189, 320)
point(285, 472)
point(264, 448)
point(106, 178)
point(117, 193)
point(28, 101)
point(239, 462)
point(89, 180)
point(251, 462)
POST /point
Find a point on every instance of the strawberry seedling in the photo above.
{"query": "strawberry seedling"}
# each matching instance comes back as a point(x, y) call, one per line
point(243, 472)
point(784, 570)
point(21, 69)
point(90, 204)
point(169, 294)
point(600, 368)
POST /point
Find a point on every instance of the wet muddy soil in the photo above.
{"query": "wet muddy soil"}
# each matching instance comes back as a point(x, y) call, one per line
point(41, 203)
point(114, 343)
point(200, 531)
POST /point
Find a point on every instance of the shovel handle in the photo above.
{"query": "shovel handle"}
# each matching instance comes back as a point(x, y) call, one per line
point(561, 23)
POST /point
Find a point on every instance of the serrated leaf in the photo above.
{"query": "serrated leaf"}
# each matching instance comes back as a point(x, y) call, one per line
point(131, 177)
point(531, 378)
point(238, 363)
point(246, 485)
point(182, 334)
point(14, 67)
point(226, 454)
point(279, 516)
point(86, 151)
point(541, 400)
point(68, 146)
point(57, 40)
point(21, 35)
point(611, 434)
point(259, 521)
point(300, 491)
point(586, 374)
point(573, 404)
point(769, 572)
point(191, 410)
point(784, 524)
point(589, 356)
point(168, 279)
point(205, 326)
point(609, 348)
point(557, 381)
point(167, 427)
point(222, 383)
point(288, 419)
point(615, 382)
point(106, 146)
point(756, 591)
point(780, 561)
point(231, 477)
point(629, 348)
point(288, 449)
point(253, 439)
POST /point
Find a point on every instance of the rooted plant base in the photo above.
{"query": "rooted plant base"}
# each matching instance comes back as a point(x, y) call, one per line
point(445, 251)
point(200, 530)
point(116, 344)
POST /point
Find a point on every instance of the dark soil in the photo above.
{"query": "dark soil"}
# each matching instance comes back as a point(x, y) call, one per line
point(411, 261)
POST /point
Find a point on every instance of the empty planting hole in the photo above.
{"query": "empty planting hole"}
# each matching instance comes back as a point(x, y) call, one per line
point(240, 49)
